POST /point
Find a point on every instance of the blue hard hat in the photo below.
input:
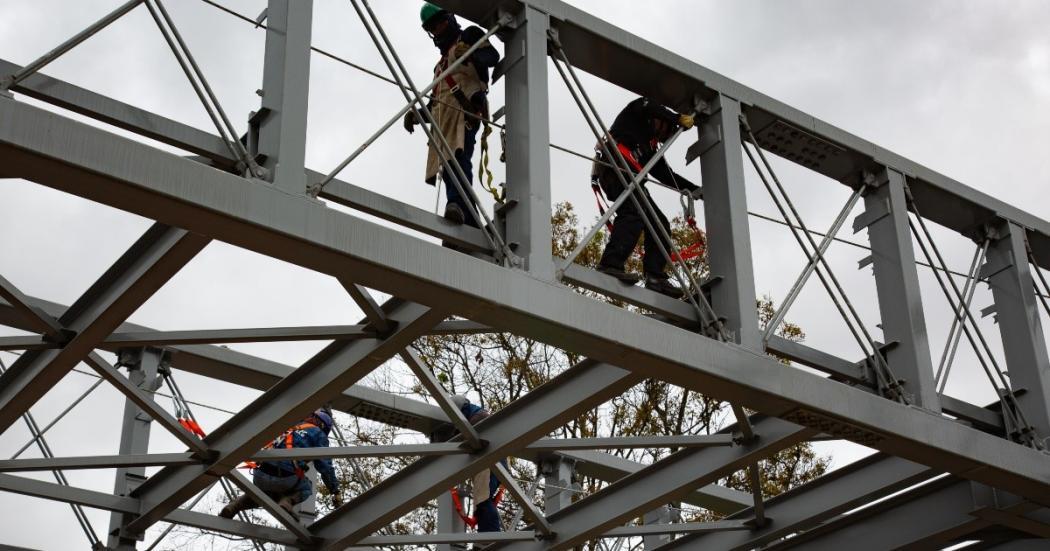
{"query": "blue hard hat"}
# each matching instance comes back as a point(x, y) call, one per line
point(325, 417)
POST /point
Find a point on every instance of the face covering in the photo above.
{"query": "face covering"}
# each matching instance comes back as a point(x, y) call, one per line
point(448, 38)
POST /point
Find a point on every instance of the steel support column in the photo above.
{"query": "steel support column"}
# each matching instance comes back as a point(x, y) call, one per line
point(143, 367)
point(528, 136)
point(285, 93)
point(557, 483)
point(897, 282)
point(1017, 311)
point(725, 216)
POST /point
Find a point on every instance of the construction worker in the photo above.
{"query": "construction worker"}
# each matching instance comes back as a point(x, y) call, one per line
point(458, 104)
point(285, 481)
point(639, 130)
point(485, 484)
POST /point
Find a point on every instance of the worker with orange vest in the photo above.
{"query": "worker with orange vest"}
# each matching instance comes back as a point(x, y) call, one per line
point(459, 103)
point(285, 481)
point(639, 130)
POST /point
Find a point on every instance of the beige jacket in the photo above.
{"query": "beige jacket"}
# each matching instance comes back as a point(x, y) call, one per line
point(449, 118)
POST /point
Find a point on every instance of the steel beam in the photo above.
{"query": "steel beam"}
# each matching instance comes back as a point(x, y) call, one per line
point(528, 138)
point(143, 374)
point(825, 498)
point(897, 283)
point(226, 336)
point(123, 460)
point(580, 388)
point(154, 259)
point(662, 482)
point(128, 505)
point(39, 321)
point(285, 92)
point(301, 232)
point(338, 366)
point(26, 343)
point(725, 216)
point(1017, 312)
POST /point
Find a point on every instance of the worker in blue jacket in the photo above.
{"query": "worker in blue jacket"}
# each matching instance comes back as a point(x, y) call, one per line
point(285, 481)
point(486, 485)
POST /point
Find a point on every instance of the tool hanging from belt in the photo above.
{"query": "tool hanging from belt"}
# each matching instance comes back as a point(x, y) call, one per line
point(471, 110)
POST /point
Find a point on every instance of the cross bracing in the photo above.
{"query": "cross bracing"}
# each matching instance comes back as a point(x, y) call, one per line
point(985, 468)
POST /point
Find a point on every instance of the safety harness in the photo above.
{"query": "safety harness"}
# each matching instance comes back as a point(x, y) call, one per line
point(458, 505)
point(693, 250)
point(287, 439)
point(485, 176)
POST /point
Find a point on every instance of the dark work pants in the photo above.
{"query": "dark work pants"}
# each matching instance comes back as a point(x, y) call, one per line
point(464, 158)
point(628, 226)
point(486, 512)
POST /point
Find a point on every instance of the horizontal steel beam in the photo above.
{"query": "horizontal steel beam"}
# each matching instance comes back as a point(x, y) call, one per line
point(987, 418)
point(806, 506)
point(662, 482)
point(97, 462)
point(297, 230)
point(235, 367)
point(31, 342)
point(107, 502)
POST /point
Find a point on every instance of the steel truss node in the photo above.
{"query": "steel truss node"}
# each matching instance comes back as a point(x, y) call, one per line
point(971, 472)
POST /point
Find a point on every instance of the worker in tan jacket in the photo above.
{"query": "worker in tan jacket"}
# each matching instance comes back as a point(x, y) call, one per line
point(458, 104)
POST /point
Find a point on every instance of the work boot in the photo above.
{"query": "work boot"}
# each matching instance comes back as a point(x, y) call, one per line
point(287, 504)
point(236, 506)
point(454, 214)
point(662, 284)
point(618, 273)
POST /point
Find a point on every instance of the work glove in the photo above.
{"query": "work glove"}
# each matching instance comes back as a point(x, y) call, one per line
point(410, 121)
point(685, 121)
point(459, 49)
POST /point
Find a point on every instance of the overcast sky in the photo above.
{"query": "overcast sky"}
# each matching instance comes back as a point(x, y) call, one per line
point(962, 87)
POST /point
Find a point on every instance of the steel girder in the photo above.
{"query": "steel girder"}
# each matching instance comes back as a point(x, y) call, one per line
point(138, 178)
point(336, 367)
point(938, 514)
point(150, 262)
point(223, 364)
point(582, 387)
point(662, 482)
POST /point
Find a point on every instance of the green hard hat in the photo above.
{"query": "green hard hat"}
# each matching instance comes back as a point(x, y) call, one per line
point(429, 10)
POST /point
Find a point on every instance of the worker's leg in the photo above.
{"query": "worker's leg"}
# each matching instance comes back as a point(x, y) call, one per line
point(487, 516)
point(654, 262)
point(627, 228)
point(464, 157)
point(242, 503)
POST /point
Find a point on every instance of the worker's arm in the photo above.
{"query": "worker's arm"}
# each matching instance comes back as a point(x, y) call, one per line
point(670, 179)
point(324, 466)
point(486, 55)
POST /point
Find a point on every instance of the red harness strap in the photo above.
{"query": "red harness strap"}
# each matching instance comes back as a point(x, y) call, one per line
point(458, 505)
point(288, 444)
point(696, 249)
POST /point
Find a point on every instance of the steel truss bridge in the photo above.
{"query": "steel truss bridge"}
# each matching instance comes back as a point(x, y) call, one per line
point(946, 471)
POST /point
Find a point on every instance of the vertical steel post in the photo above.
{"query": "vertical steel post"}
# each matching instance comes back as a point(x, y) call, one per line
point(448, 522)
point(725, 214)
point(143, 367)
point(557, 483)
point(285, 93)
point(528, 135)
point(1024, 344)
point(663, 515)
point(897, 284)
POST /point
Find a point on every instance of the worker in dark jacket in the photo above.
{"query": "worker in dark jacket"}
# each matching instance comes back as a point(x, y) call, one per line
point(285, 481)
point(459, 103)
point(639, 130)
point(485, 483)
